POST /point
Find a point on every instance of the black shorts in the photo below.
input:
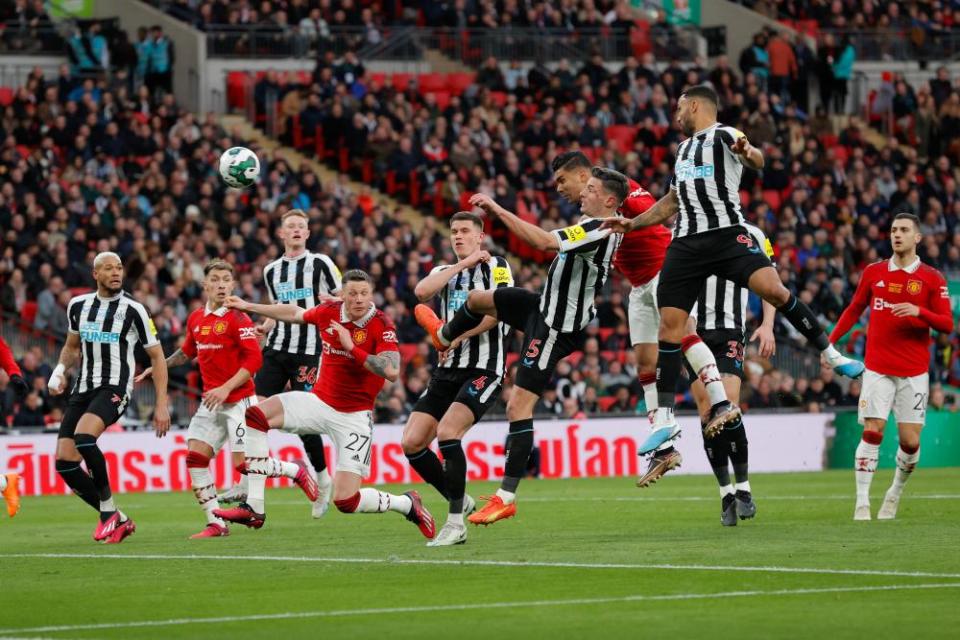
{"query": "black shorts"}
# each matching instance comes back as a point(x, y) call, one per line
point(543, 347)
point(727, 346)
point(279, 368)
point(730, 253)
point(108, 403)
point(476, 388)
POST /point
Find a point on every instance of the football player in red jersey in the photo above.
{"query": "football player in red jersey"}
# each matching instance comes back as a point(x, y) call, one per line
point(224, 341)
point(906, 299)
point(360, 351)
point(640, 258)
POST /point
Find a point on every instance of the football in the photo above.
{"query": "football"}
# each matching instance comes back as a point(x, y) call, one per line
point(239, 167)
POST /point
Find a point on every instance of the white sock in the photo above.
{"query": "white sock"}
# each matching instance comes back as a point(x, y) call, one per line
point(108, 505)
point(726, 490)
point(865, 464)
point(702, 361)
point(3, 483)
point(374, 501)
point(455, 518)
point(206, 492)
point(905, 465)
point(743, 486)
point(243, 485)
point(650, 396)
point(833, 356)
point(257, 461)
point(323, 479)
point(507, 496)
point(663, 417)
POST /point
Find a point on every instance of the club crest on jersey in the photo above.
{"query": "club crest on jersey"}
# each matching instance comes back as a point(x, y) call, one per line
point(914, 287)
point(747, 240)
point(359, 336)
point(220, 327)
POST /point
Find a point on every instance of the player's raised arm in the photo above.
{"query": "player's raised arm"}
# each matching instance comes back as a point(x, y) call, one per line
point(665, 208)
point(282, 312)
point(533, 235)
point(438, 278)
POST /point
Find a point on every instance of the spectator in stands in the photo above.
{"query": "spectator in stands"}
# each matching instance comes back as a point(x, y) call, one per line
point(159, 71)
point(14, 292)
point(755, 60)
point(49, 311)
point(783, 65)
point(842, 72)
point(490, 75)
point(30, 413)
point(623, 402)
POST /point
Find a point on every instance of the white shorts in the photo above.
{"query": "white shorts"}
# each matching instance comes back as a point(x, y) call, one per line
point(305, 413)
point(643, 313)
point(907, 397)
point(216, 427)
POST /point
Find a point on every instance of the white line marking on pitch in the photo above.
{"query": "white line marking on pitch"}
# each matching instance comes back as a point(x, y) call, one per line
point(475, 606)
point(488, 563)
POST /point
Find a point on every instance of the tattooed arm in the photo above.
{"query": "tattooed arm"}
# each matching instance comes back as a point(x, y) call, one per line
point(386, 365)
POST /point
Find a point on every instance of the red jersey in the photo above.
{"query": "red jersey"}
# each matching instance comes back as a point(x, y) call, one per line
point(344, 383)
point(641, 252)
point(898, 346)
point(223, 341)
point(7, 362)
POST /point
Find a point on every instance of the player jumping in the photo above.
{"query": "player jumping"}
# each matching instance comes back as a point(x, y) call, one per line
point(360, 351)
point(907, 298)
point(710, 239)
point(719, 317)
point(468, 380)
point(104, 328)
point(552, 321)
point(640, 258)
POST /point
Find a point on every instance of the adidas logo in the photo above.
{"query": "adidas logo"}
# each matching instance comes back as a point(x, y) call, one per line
point(356, 458)
point(881, 284)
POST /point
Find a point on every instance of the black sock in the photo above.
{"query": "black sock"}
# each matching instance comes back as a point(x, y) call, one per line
point(455, 472)
point(78, 480)
point(313, 445)
point(718, 453)
point(736, 436)
point(427, 464)
point(96, 463)
point(669, 363)
point(519, 446)
point(463, 320)
point(805, 322)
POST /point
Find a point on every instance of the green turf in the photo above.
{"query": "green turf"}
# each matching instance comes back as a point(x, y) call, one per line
point(804, 521)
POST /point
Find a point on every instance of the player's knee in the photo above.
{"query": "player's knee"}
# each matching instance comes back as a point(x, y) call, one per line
point(196, 460)
point(348, 504)
point(909, 443)
point(257, 419)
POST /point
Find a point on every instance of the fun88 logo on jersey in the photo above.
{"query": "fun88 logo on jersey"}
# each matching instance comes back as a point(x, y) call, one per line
point(91, 332)
point(287, 292)
point(687, 170)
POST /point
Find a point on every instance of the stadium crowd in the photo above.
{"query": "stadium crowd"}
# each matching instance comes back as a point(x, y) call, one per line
point(90, 164)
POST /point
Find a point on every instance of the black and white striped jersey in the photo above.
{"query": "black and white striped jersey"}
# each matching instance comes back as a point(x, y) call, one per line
point(706, 178)
point(299, 281)
point(109, 330)
point(577, 273)
point(483, 351)
point(722, 304)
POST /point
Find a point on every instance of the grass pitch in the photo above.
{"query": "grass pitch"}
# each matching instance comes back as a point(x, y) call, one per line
point(584, 558)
